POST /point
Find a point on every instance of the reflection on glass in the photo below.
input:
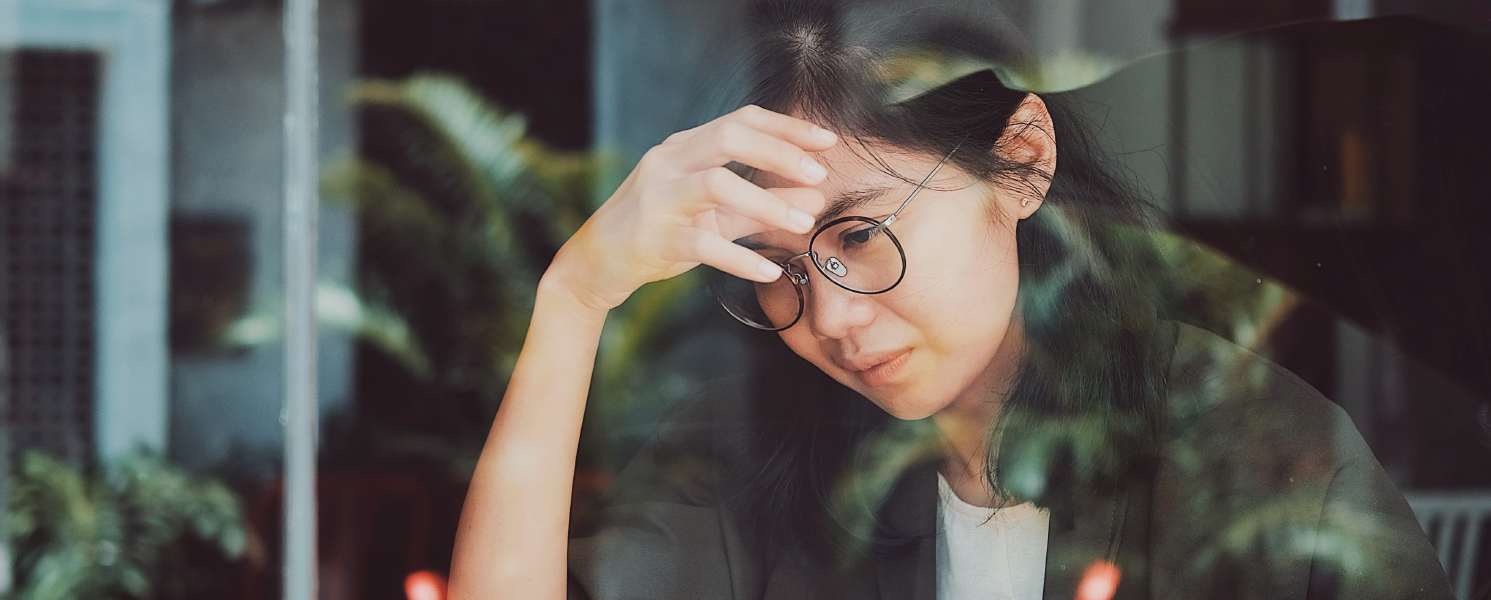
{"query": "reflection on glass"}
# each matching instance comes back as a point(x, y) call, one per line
point(1317, 171)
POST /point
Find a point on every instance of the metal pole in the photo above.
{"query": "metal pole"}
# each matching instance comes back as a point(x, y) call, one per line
point(300, 283)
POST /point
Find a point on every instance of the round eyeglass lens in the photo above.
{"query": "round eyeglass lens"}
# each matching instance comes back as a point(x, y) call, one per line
point(772, 306)
point(860, 255)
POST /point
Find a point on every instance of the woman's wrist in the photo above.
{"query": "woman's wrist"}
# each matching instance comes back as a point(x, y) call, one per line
point(558, 289)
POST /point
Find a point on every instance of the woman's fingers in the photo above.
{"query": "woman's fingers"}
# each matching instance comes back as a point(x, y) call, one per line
point(680, 206)
point(808, 200)
point(711, 249)
point(719, 187)
point(805, 135)
point(732, 225)
point(734, 141)
point(756, 137)
point(801, 133)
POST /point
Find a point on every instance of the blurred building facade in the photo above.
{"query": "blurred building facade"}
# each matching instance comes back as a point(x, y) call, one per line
point(86, 158)
point(141, 150)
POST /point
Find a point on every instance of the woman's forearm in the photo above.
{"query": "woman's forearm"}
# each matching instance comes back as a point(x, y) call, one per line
point(678, 208)
point(514, 527)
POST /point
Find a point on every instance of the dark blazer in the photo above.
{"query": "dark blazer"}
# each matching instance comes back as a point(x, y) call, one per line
point(1264, 489)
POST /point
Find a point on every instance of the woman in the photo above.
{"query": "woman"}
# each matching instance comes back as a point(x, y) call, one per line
point(961, 260)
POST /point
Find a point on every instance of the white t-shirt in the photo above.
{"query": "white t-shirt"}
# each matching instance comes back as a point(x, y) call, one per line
point(989, 554)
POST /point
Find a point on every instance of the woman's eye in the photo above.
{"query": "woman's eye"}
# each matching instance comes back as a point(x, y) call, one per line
point(860, 237)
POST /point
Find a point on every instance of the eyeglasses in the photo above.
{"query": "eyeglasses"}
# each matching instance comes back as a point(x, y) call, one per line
point(859, 254)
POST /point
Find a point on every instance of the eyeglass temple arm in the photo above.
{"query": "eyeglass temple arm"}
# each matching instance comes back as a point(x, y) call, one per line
point(919, 186)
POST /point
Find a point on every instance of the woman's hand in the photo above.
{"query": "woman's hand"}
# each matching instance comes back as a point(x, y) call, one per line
point(681, 207)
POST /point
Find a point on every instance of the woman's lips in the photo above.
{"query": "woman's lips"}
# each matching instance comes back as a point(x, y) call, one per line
point(886, 372)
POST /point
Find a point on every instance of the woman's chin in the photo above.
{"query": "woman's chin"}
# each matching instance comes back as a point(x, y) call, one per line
point(907, 400)
point(906, 408)
point(912, 416)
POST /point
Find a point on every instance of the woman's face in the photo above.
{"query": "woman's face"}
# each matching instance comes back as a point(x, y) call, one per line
point(942, 337)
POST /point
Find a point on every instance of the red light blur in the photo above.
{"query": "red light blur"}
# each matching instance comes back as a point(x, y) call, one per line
point(424, 585)
point(1100, 581)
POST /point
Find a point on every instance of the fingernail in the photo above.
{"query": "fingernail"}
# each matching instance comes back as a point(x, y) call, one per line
point(813, 170)
point(802, 220)
point(770, 271)
point(823, 135)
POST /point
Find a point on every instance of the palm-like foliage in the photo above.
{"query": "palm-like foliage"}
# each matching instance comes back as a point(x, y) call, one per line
point(144, 530)
point(460, 213)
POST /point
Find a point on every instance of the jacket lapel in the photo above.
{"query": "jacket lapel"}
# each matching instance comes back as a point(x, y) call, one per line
point(910, 512)
point(1080, 535)
point(1112, 528)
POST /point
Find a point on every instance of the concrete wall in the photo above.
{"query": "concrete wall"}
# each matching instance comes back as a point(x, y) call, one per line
point(132, 37)
point(227, 161)
point(661, 66)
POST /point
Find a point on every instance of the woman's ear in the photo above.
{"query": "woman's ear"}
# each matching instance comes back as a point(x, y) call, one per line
point(1030, 139)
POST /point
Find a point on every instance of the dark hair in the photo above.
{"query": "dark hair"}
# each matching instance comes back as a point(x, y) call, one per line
point(1084, 414)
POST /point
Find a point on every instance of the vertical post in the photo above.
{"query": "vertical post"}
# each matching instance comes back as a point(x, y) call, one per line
point(300, 281)
point(1345, 10)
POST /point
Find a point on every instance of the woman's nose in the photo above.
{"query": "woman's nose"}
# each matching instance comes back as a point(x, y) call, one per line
point(831, 312)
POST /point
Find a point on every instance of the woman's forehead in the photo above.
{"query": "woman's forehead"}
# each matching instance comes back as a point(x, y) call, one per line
point(858, 184)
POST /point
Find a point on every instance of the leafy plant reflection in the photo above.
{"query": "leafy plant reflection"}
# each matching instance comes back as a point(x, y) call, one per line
point(461, 212)
point(143, 530)
point(1250, 487)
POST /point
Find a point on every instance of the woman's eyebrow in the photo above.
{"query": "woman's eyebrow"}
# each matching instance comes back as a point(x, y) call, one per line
point(841, 204)
point(850, 200)
point(751, 244)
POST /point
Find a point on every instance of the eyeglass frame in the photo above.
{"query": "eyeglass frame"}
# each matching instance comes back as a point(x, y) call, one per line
point(800, 280)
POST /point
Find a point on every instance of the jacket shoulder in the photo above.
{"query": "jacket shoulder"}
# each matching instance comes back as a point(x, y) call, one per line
point(1265, 486)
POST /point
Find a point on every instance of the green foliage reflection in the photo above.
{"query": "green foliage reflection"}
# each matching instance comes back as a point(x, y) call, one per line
point(461, 211)
point(143, 530)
